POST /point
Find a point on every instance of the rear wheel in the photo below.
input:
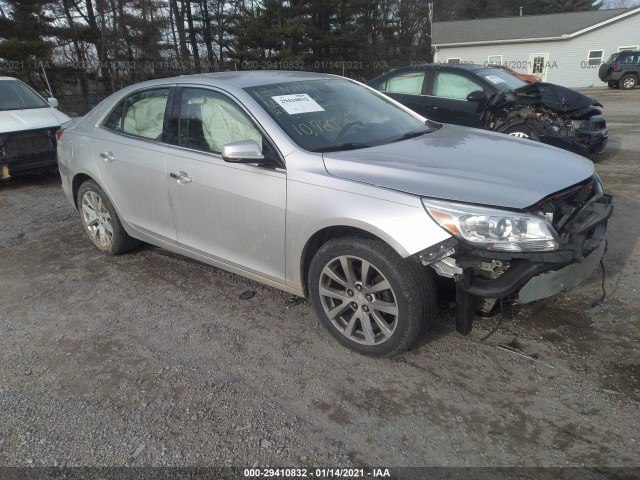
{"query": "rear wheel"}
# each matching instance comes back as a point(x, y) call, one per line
point(613, 85)
point(628, 82)
point(100, 221)
point(372, 300)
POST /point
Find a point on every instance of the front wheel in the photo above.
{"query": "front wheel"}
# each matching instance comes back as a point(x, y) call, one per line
point(372, 300)
point(100, 221)
point(520, 131)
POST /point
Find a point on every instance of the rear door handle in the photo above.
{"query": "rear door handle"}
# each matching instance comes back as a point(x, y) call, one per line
point(182, 177)
point(108, 156)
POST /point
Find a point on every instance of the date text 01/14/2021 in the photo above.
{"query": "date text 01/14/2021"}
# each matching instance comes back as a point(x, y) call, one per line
point(316, 473)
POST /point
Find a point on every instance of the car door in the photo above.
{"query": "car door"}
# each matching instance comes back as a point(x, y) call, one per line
point(234, 213)
point(130, 159)
point(447, 95)
point(407, 87)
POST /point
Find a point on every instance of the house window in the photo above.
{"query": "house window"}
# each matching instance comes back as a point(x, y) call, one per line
point(627, 49)
point(595, 57)
point(454, 60)
point(494, 60)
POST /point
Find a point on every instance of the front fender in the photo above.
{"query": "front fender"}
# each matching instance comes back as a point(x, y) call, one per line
point(396, 218)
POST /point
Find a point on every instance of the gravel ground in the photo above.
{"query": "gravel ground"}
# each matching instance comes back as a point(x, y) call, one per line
point(153, 359)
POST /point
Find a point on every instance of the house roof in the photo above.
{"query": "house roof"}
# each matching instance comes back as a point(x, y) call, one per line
point(505, 29)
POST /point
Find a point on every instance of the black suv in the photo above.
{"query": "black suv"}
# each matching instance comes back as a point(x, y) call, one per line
point(622, 70)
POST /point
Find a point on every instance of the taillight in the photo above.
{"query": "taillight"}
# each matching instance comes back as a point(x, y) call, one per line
point(616, 68)
point(62, 128)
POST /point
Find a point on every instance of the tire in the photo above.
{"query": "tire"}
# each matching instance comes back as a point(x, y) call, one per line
point(520, 131)
point(613, 85)
point(100, 221)
point(628, 82)
point(406, 301)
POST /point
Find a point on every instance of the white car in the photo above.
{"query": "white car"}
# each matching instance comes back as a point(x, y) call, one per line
point(28, 126)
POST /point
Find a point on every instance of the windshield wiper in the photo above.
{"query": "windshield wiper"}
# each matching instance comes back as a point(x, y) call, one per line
point(339, 148)
point(409, 135)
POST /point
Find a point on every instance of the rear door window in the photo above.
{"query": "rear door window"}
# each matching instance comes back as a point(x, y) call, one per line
point(141, 114)
point(409, 83)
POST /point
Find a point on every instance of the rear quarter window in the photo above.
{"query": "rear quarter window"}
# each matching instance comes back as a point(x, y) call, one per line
point(140, 114)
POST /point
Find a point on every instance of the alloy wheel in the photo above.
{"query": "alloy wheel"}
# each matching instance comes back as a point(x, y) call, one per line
point(359, 300)
point(97, 220)
point(519, 134)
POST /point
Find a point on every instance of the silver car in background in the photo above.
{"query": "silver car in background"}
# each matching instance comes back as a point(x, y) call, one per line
point(322, 187)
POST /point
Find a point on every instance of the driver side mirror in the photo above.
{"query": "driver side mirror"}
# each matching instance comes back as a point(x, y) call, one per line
point(476, 96)
point(53, 102)
point(246, 151)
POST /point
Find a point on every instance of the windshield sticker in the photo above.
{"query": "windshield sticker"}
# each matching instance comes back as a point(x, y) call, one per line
point(494, 79)
point(299, 103)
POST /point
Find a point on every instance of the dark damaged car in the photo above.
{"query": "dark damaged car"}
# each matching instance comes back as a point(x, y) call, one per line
point(28, 125)
point(492, 99)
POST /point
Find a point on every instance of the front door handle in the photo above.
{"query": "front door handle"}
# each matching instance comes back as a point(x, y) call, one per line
point(182, 177)
point(108, 156)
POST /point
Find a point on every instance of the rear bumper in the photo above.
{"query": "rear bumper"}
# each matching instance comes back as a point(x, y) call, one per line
point(612, 77)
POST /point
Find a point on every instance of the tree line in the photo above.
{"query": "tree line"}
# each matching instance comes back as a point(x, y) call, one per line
point(102, 45)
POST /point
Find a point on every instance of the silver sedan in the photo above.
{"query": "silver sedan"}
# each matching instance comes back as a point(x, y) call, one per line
point(322, 187)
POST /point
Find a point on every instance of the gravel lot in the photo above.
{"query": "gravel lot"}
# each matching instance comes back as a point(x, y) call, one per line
point(153, 359)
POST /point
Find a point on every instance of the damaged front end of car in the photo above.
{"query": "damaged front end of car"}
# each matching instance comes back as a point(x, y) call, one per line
point(519, 256)
point(550, 114)
point(25, 151)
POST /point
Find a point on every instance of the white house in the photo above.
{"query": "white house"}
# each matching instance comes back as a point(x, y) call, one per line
point(565, 48)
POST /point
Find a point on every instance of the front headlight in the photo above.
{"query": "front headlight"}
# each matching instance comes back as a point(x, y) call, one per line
point(492, 229)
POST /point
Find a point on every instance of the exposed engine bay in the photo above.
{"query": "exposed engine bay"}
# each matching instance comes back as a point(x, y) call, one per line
point(550, 114)
point(579, 216)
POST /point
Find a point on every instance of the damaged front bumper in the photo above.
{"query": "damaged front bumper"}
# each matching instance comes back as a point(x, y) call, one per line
point(27, 151)
point(551, 283)
point(591, 136)
point(483, 277)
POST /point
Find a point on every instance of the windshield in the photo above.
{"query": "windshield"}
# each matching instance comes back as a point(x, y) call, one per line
point(331, 115)
point(15, 95)
point(503, 81)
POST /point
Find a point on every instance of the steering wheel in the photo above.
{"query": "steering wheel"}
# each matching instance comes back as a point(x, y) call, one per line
point(346, 128)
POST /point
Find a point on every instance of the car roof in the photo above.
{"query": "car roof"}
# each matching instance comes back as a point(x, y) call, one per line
point(239, 79)
point(457, 66)
point(7, 78)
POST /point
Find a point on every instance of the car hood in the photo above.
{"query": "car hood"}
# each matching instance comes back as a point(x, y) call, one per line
point(556, 97)
point(465, 165)
point(30, 119)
